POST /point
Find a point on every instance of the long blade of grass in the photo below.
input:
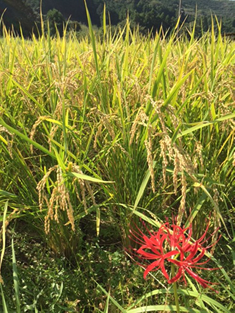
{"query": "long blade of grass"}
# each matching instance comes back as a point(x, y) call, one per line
point(202, 124)
point(90, 178)
point(112, 299)
point(230, 283)
point(194, 289)
point(27, 139)
point(200, 185)
point(4, 305)
point(104, 20)
point(164, 308)
point(3, 238)
point(91, 32)
point(196, 209)
point(15, 278)
point(142, 187)
point(106, 309)
point(217, 307)
point(153, 63)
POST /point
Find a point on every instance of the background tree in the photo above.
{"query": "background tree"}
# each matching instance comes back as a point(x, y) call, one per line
point(18, 14)
point(147, 14)
point(56, 21)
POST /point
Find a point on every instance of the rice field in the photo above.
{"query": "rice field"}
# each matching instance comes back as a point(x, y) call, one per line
point(102, 134)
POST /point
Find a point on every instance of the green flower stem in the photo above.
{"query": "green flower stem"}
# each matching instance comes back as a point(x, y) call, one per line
point(175, 289)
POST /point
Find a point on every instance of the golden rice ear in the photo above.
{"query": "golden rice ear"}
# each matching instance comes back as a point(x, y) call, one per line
point(59, 199)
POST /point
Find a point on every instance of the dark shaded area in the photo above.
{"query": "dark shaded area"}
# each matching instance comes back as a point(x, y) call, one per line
point(16, 14)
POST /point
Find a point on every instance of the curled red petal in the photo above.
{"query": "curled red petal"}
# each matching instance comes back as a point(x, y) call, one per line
point(170, 254)
point(194, 251)
point(164, 272)
point(200, 256)
point(204, 283)
point(150, 267)
point(177, 276)
point(176, 262)
point(148, 255)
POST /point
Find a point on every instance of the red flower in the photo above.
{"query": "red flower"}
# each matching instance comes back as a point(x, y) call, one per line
point(172, 244)
point(155, 245)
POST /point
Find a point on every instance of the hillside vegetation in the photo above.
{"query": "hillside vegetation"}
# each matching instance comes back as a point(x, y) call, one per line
point(149, 15)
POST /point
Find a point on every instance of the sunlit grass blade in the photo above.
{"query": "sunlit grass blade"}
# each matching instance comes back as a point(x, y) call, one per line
point(165, 308)
point(3, 248)
point(15, 278)
point(203, 124)
point(106, 309)
point(156, 44)
point(215, 306)
point(104, 20)
point(4, 305)
point(15, 275)
point(90, 178)
point(91, 32)
point(142, 187)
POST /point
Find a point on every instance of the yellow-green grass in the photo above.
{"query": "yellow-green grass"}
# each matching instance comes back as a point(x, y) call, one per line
point(115, 127)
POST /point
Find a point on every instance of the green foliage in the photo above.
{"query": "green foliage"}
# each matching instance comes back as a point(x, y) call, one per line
point(56, 22)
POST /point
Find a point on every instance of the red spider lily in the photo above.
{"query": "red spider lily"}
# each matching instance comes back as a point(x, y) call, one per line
point(155, 245)
point(152, 248)
point(172, 244)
